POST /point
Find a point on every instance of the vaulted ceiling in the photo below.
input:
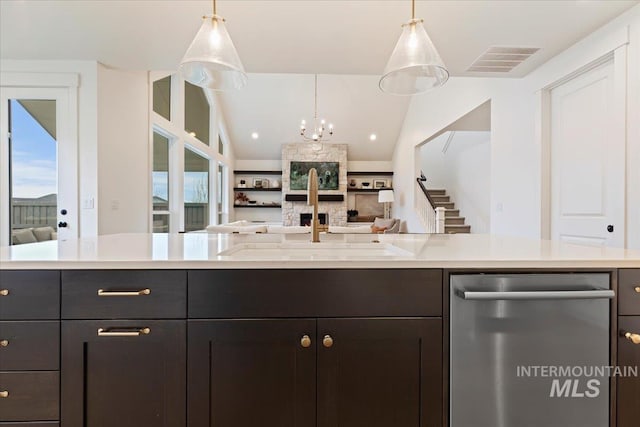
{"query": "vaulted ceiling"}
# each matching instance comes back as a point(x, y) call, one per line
point(293, 40)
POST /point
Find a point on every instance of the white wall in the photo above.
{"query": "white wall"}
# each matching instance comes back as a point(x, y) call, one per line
point(123, 138)
point(87, 129)
point(464, 171)
point(516, 158)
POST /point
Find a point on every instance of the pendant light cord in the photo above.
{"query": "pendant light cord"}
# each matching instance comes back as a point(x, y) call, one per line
point(315, 99)
point(413, 9)
point(214, 7)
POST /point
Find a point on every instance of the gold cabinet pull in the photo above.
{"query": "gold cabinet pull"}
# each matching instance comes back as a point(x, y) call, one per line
point(637, 289)
point(634, 338)
point(4, 393)
point(327, 341)
point(305, 341)
point(4, 292)
point(123, 333)
point(4, 343)
point(103, 293)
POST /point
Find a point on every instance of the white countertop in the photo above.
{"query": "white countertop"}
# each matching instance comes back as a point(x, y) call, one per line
point(201, 250)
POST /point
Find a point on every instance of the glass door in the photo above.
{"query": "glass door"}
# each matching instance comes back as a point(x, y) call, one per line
point(38, 168)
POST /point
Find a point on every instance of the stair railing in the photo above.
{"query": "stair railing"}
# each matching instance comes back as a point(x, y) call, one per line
point(432, 217)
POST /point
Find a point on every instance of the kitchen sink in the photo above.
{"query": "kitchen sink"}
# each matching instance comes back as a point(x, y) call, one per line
point(316, 250)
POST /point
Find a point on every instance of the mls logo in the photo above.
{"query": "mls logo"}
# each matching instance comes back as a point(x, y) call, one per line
point(571, 388)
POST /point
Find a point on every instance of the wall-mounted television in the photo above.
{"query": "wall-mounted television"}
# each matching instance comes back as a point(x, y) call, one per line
point(328, 175)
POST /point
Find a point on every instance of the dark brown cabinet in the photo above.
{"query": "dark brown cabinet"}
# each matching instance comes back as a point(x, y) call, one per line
point(380, 372)
point(373, 372)
point(123, 373)
point(29, 348)
point(247, 373)
point(628, 388)
point(325, 348)
point(129, 370)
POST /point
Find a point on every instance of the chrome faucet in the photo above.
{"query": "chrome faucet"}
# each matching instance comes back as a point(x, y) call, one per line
point(312, 199)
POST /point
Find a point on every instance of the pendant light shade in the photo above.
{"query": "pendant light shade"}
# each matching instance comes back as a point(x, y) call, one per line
point(211, 60)
point(415, 65)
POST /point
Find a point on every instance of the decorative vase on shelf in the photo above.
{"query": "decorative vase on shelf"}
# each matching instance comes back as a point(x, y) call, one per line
point(275, 183)
point(352, 183)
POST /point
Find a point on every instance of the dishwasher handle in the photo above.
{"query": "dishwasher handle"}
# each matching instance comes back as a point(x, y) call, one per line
point(535, 295)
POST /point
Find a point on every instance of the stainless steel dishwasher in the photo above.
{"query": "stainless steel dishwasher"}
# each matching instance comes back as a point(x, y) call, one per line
point(529, 350)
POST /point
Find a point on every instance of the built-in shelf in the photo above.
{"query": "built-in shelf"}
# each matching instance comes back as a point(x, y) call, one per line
point(257, 172)
point(367, 190)
point(321, 197)
point(256, 189)
point(257, 206)
point(353, 173)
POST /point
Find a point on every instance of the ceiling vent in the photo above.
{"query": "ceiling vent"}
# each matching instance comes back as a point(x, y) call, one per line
point(501, 59)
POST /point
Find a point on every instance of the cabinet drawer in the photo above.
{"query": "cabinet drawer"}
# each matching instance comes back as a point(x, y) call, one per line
point(31, 295)
point(32, 396)
point(124, 294)
point(29, 346)
point(629, 292)
point(314, 293)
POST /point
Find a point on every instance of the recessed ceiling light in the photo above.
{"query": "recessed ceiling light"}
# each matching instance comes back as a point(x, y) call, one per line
point(373, 137)
point(254, 135)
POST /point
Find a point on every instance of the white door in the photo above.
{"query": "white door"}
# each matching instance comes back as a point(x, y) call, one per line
point(587, 160)
point(38, 166)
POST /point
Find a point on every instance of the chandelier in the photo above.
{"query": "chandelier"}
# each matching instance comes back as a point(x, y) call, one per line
point(317, 133)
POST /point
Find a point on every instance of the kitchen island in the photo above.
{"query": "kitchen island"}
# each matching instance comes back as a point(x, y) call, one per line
point(242, 330)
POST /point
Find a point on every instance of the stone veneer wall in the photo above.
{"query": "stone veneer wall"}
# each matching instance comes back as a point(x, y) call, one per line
point(305, 152)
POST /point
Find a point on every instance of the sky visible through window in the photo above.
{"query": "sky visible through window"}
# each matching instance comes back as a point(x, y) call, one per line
point(33, 156)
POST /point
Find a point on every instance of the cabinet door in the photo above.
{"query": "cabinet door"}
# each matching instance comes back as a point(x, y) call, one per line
point(248, 373)
point(123, 373)
point(379, 372)
point(628, 387)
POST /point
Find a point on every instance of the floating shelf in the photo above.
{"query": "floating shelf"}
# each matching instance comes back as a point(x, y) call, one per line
point(321, 197)
point(369, 173)
point(257, 172)
point(256, 189)
point(257, 206)
point(367, 190)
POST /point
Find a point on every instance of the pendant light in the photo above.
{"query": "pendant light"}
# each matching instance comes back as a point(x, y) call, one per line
point(415, 65)
point(212, 61)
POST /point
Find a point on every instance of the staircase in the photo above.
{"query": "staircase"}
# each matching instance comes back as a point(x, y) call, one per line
point(453, 222)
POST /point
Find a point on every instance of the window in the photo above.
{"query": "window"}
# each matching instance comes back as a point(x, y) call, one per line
point(221, 193)
point(188, 174)
point(196, 112)
point(196, 191)
point(162, 97)
point(160, 183)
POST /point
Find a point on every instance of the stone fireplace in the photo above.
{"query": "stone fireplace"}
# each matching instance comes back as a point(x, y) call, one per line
point(305, 151)
point(305, 218)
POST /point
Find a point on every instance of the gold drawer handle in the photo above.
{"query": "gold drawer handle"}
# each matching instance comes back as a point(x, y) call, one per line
point(134, 333)
point(634, 338)
point(327, 341)
point(4, 393)
point(4, 343)
point(637, 289)
point(4, 292)
point(305, 341)
point(103, 293)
